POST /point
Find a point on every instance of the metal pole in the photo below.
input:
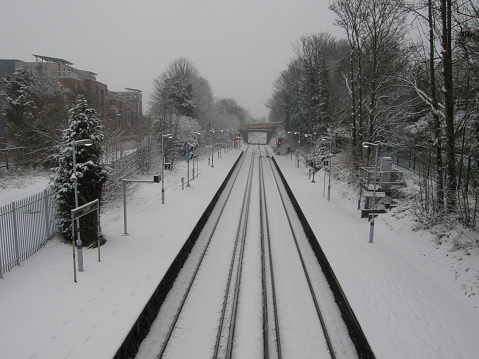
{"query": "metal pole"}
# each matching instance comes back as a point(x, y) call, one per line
point(98, 231)
point(75, 189)
point(73, 247)
point(15, 232)
point(46, 208)
point(193, 168)
point(188, 171)
point(330, 169)
point(162, 172)
point(163, 167)
point(212, 151)
point(324, 181)
point(312, 158)
point(371, 227)
point(125, 230)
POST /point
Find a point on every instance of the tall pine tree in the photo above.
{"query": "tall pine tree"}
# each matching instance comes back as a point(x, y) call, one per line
point(83, 124)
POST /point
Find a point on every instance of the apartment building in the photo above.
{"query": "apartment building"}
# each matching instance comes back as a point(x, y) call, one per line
point(118, 109)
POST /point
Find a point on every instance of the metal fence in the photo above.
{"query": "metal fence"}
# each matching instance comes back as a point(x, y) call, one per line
point(25, 226)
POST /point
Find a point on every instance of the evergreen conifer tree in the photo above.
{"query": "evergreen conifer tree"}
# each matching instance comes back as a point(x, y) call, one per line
point(83, 124)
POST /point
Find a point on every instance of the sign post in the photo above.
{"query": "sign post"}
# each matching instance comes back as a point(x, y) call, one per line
point(156, 179)
point(188, 147)
point(78, 212)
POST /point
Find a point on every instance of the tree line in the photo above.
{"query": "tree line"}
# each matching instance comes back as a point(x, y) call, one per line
point(47, 119)
point(183, 104)
point(405, 77)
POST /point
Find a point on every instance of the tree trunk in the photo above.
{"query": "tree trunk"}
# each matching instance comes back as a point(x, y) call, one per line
point(353, 103)
point(446, 11)
point(435, 113)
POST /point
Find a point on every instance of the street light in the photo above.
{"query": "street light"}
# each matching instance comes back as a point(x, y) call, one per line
point(212, 148)
point(329, 165)
point(297, 148)
point(73, 178)
point(311, 135)
point(169, 135)
point(371, 226)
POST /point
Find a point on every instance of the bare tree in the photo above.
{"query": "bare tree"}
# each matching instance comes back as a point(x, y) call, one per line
point(448, 90)
point(351, 17)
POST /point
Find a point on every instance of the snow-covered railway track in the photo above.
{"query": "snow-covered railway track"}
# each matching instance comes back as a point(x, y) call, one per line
point(249, 288)
point(292, 292)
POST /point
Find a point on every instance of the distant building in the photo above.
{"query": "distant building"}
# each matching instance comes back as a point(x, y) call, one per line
point(125, 107)
point(118, 109)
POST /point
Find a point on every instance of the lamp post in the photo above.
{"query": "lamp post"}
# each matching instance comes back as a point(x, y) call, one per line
point(163, 168)
point(289, 132)
point(311, 136)
point(297, 148)
point(73, 178)
point(221, 141)
point(212, 148)
point(329, 165)
point(371, 223)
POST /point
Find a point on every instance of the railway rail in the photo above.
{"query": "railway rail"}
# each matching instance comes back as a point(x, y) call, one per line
point(251, 287)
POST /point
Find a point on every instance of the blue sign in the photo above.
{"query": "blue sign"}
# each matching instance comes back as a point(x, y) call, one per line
point(188, 147)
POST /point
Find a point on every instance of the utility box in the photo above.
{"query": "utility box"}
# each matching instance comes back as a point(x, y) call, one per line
point(385, 168)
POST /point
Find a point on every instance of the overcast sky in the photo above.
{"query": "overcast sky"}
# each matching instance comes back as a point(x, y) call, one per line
point(239, 46)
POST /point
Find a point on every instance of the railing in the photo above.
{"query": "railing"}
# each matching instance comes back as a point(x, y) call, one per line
point(25, 226)
point(15, 158)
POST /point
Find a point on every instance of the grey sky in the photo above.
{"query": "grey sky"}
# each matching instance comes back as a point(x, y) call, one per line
point(239, 46)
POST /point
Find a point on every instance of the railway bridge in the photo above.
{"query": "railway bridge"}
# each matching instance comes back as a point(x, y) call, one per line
point(258, 133)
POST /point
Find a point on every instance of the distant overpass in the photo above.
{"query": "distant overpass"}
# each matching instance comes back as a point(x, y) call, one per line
point(258, 133)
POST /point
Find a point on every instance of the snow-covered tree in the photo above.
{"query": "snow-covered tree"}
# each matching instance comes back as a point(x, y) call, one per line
point(36, 110)
point(19, 104)
point(83, 124)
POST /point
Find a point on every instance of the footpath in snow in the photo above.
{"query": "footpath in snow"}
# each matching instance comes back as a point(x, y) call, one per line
point(405, 311)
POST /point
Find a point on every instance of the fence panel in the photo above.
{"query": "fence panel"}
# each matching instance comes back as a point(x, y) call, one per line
point(25, 226)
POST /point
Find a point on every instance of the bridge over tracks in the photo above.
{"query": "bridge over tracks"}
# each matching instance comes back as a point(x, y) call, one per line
point(258, 133)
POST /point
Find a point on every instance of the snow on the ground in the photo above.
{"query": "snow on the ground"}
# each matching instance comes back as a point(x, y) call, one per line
point(407, 308)
point(414, 297)
point(18, 185)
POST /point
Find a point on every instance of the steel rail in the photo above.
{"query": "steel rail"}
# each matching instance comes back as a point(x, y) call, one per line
point(237, 257)
point(267, 252)
point(190, 285)
point(303, 264)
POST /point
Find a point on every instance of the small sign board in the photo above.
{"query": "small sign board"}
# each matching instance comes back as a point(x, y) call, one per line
point(167, 166)
point(187, 146)
point(85, 209)
point(371, 194)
